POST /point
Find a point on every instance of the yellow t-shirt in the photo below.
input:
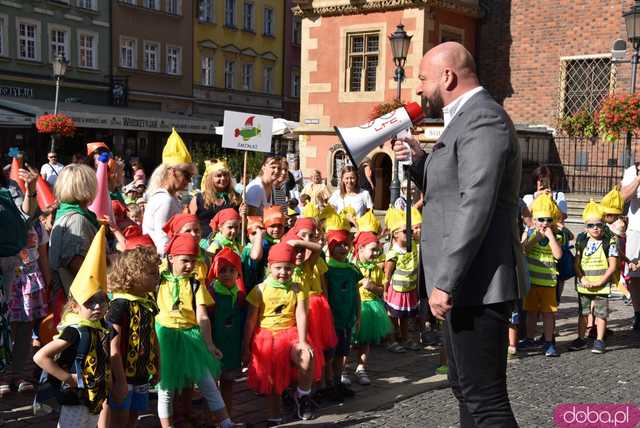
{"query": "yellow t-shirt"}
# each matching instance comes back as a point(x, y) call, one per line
point(183, 314)
point(309, 276)
point(376, 275)
point(277, 305)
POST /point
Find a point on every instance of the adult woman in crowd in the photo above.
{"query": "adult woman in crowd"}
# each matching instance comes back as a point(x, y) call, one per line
point(162, 199)
point(316, 188)
point(74, 226)
point(218, 193)
point(349, 194)
point(281, 186)
point(259, 192)
point(543, 179)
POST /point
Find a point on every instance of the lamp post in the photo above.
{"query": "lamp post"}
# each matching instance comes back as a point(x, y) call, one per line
point(400, 47)
point(632, 22)
point(59, 70)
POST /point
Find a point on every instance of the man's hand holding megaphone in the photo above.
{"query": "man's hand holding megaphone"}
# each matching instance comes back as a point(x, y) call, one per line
point(408, 148)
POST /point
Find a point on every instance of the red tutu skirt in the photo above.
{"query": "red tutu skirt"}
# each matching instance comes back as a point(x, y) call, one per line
point(271, 370)
point(320, 322)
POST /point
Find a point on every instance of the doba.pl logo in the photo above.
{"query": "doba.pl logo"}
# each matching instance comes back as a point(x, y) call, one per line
point(596, 415)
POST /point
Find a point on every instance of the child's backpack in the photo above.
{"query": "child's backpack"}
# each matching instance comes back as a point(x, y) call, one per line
point(583, 238)
point(14, 229)
point(49, 394)
point(566, 264)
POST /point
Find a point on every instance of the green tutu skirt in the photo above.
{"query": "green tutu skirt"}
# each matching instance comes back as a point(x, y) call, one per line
point(374, 323)
point(184, 358)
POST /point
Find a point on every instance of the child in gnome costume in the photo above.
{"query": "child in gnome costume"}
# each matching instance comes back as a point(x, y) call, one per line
point(77, 361)
point(183, 325)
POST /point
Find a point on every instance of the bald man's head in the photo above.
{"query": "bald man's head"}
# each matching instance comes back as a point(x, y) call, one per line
point(446, 72)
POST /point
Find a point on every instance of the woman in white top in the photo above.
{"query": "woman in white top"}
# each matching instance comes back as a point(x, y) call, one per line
point(162, 201)
point(260, 190)
point(349, 194)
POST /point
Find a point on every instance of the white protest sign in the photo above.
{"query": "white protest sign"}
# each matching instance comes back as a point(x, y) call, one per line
point(246, 131)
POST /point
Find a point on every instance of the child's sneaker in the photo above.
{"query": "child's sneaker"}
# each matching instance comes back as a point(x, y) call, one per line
point(344, 379)
point(550, 350)
point(363, 379)
point(578, 345)
point(512, 352)
point(598, 347)
point(304, 407)
point(526, 344)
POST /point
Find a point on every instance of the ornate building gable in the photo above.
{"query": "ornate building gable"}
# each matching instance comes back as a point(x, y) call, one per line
point(315, 8)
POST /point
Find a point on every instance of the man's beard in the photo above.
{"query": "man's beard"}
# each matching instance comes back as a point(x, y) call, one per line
point(435, 103)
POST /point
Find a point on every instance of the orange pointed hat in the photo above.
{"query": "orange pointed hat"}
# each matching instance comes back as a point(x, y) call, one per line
point(92, 276)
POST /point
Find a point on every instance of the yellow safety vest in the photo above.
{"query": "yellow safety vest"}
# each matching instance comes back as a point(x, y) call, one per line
point(405, 276)
point(543, 270)
point(594, 267)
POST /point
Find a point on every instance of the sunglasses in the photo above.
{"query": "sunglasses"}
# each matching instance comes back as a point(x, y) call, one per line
point(545, 220)
point(595, 225)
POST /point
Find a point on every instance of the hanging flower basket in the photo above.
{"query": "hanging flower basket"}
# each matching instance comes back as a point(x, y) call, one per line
point(384, 108)
point(618, 115)
point(582, 124)
point(56, 124)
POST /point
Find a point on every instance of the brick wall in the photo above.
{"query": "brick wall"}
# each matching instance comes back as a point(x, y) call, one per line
point(520, 44)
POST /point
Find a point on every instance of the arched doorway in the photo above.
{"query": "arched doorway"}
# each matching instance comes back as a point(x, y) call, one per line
point(382, 167)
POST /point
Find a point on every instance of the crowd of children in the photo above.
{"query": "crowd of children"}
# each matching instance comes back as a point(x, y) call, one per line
point(285, 309)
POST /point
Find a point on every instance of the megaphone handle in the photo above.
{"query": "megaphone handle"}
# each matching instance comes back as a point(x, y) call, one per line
point(407, 208)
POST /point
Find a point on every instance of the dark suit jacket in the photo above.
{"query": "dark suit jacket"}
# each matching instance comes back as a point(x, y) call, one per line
point(470, 244)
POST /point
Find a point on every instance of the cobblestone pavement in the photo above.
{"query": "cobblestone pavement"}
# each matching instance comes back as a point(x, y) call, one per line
point(536, 383)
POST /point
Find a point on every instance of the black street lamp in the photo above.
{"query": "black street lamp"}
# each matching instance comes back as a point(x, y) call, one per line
point(400, 41)
point(632, 22)
point(59, 70)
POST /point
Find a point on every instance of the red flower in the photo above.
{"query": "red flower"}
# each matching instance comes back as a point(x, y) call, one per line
point(55, 124)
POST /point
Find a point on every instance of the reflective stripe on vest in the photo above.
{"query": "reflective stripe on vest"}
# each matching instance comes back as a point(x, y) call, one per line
point(404, 280)
point(542, 266)
point(594, 267)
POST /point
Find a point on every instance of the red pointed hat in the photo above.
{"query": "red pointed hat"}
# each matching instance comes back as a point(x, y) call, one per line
point(282, 253)
point(222, 217)
point(134, 238)
point(16, 164)
point(226, 257)
point(44, 194)
point(176, 223)
point(335, 237)
point(183, 244)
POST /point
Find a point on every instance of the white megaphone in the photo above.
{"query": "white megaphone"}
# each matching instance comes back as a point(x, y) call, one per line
point(360, 140)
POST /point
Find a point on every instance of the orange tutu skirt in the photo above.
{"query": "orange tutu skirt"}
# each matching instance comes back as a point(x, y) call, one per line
point(320, 322)
point(271, 370)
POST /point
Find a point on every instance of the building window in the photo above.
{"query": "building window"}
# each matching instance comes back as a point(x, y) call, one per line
point(248, 16)
point(362, 61)
point(151, 4)
point(339, 162)
point(151, 56)
point(296, 31)
point(295, 84)
point(87, 50)
point(205, 11)
point(229, 74)
point(230, 13)
point(174, 60)
point(28, 37)
point(247, 77)
point(207, 71)
point(174, 7)
point(585, 84)
point(128, 53)
point(87, 4)
point(268, 80)
point(268, 21)
point(59, 43)
point(3, 35)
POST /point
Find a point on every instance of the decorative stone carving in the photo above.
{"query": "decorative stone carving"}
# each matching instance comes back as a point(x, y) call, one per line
point(314, 8)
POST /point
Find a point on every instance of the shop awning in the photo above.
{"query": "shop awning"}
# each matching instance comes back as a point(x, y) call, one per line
point(108, 117)
point(10, 118)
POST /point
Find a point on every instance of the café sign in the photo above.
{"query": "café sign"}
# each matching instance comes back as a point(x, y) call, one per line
point(134, 123)
point(16, 91)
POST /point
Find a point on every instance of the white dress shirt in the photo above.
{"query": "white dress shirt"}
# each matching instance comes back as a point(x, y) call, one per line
point(450, 110)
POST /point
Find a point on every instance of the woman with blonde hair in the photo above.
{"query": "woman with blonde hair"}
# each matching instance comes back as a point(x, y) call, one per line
point(167, 180)
point(217, 193)
point(74, 226)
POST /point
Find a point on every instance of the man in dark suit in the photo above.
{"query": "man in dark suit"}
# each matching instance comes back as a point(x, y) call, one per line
point(471, 253)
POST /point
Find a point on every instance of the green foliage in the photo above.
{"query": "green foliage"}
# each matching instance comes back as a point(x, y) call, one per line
point(581, 124)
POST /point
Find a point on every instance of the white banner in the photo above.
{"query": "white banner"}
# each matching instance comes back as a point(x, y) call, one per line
point(246, 131)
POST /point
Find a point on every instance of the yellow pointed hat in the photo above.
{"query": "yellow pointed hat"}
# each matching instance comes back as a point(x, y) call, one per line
point(327, 212)
point(311, 211)
point(175, 151)
point(210, 167)
point(337, 222)
point(544, 206)
point(592, 211)
point(416, 216)
point(92, 276)
point(613, 203)
point(395, 220)
point(368, 223)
